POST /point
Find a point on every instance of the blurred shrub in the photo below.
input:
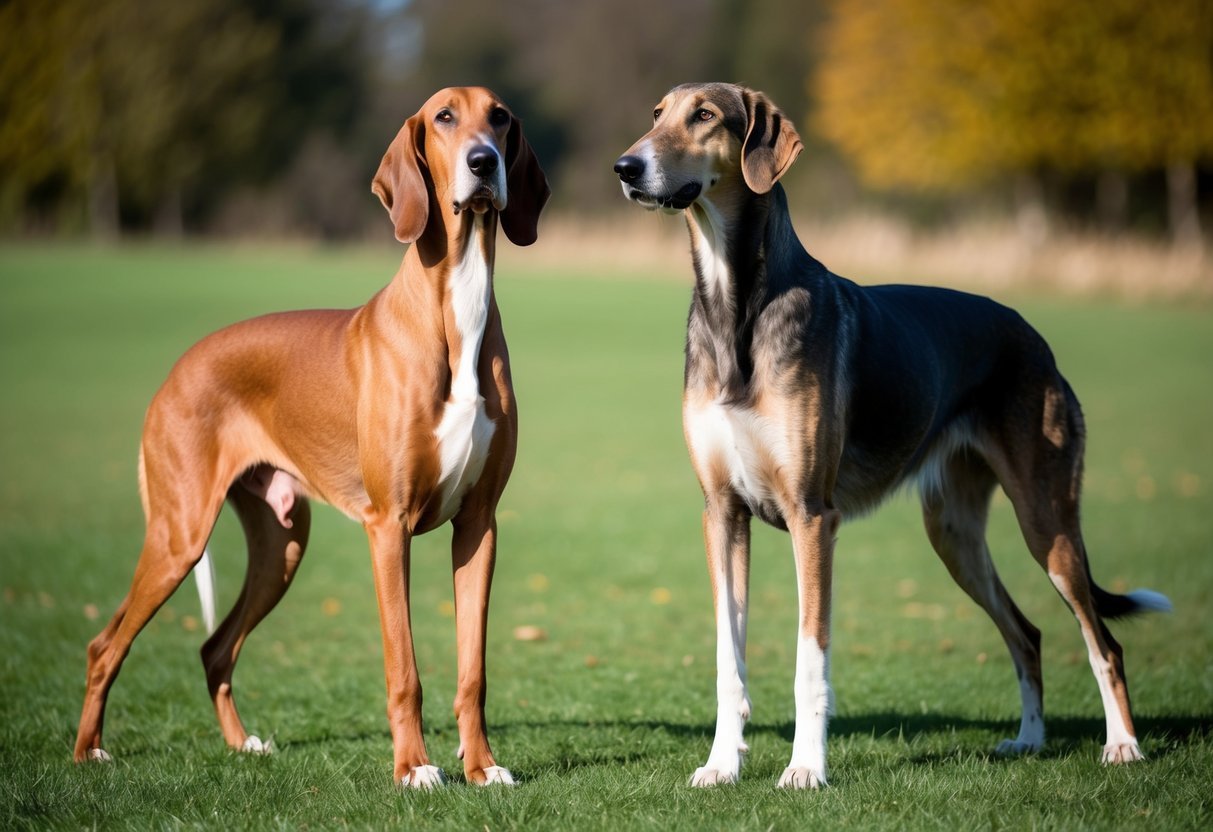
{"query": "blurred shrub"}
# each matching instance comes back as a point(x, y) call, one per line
point(137, 113)
point(945, 94)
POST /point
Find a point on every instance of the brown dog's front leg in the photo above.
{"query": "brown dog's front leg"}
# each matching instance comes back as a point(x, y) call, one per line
point(390, 545)
point(473, 553)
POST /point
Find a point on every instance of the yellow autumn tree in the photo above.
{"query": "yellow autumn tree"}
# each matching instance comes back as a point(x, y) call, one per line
point(943, 94)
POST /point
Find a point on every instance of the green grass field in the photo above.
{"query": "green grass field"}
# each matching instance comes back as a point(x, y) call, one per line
point(604, 721)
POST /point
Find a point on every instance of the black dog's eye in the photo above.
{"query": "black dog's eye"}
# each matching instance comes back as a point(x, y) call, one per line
point(704, 115)
point(498, 117)
point(444, 116)
point(657, 114)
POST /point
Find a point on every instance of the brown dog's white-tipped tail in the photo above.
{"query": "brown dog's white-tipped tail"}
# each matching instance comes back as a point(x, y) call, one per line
point(204, 577)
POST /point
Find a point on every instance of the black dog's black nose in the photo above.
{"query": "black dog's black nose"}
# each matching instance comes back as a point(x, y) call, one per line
point(629, 168)
point(482, 159)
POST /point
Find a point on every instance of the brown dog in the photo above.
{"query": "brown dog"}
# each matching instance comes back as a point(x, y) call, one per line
point(809, 399)
point(400, 413)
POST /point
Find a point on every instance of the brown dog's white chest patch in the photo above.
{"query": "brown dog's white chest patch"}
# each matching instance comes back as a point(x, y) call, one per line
point(465, 432)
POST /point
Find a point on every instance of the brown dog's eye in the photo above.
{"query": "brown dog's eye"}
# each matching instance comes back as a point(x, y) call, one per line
point(657, 114)
point(444, 117)
point(498, 117)
point(704, 115)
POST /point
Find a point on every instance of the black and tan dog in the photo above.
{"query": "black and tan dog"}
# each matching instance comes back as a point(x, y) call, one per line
point(809, 398)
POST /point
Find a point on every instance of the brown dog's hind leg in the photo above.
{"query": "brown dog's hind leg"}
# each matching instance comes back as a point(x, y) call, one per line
point(171, 547)
point(955, 515)
point(274, 553)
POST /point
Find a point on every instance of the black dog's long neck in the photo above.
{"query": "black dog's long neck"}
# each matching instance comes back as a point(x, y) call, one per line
point(739, 262)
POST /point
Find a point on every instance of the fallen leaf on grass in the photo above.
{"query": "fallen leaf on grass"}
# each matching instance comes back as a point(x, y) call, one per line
point(537, 582)
point(1187, 484)
point(529, 632)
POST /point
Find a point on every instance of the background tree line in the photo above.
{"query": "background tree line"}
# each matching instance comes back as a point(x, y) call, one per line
point(269, 116)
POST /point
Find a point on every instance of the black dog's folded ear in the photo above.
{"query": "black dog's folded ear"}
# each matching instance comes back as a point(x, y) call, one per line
point(771, 143)
point(528, 189)
point(400, 182)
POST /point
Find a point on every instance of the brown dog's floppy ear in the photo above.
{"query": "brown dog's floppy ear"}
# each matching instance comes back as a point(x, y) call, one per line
point(528, 189)
point(400, 184)
point(771, 143)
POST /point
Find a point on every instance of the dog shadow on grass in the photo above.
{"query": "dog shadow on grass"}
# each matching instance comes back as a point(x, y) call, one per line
point(1066, 735)
point(556, 746)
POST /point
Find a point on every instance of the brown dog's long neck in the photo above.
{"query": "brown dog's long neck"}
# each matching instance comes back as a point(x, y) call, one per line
point(443, 292)
point(467, 301)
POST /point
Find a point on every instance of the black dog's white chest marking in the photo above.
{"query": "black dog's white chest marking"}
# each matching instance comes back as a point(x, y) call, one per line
point(752, 448)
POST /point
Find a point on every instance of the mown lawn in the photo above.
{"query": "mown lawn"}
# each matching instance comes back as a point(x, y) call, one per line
point(604, 720)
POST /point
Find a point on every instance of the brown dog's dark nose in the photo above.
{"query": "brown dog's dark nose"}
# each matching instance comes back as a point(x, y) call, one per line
point(482, 159)
point(629, 168)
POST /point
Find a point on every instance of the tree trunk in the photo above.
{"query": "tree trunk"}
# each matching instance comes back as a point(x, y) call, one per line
point(1031, 218)
point(1111, 200)
point(1183, 212)
point(103, 216)
point(169, 221)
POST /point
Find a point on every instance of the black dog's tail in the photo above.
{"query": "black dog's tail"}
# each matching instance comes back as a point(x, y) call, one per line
point(1111, 605)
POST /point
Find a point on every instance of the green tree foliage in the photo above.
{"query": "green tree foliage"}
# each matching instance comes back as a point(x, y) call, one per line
point(941, 94)
point(44, 134)
point(143, 109)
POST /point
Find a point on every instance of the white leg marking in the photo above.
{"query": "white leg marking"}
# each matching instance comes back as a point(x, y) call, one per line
point(498, 774)
point(1031, 725)
point(1121, 746)
point(254, 745)
point(807, 769)
point(732, 702)
point(99, 755)
point(423, 777)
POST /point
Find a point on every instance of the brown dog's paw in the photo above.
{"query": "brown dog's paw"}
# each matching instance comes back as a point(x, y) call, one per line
point(491, 775)
point(423, 777)
point(254, 745)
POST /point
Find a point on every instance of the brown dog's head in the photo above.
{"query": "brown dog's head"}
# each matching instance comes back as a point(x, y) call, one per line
point(462, 151)
point(706, 136)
